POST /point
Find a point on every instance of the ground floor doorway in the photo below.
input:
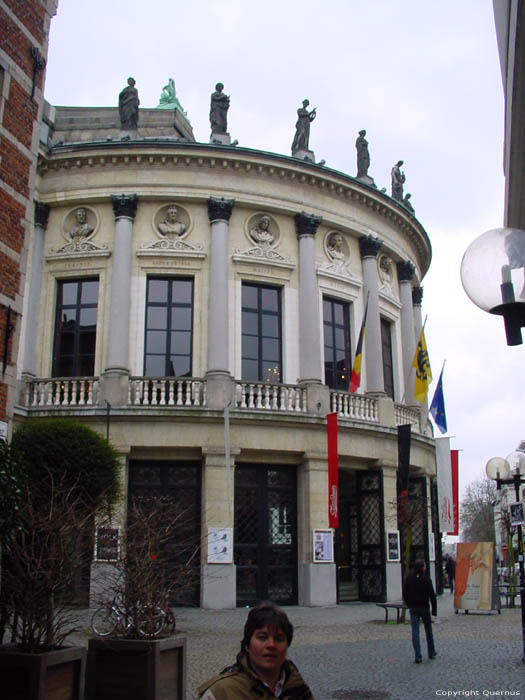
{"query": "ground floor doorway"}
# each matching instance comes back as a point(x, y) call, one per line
point(265, 534)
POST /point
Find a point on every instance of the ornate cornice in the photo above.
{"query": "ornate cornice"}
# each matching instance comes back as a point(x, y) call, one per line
point(369, 246)
point(307, 224)
point(417, 296)
point(220, 208)
point(124, 205)
point(41, 214)
point(405, 271)
point(282, 169)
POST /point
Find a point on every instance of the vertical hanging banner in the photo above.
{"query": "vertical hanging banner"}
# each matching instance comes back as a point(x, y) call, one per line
point(444, 485)
point(454, 460)
point(403, 466)
point(333, 466)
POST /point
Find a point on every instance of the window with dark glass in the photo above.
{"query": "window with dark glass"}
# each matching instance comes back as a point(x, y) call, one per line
point(337, 361)
point(388, 365)
point(261, 334)
point(169, 327)
point(75, 328)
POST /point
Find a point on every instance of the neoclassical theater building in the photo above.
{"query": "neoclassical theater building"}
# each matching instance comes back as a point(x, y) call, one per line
point(200, 304)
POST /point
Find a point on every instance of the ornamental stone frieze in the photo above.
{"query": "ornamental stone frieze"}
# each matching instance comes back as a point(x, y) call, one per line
point(263, 233)
point(220, 208)
point(79, 228)
point(338, 253)
point(307, 224)
point(172, 224)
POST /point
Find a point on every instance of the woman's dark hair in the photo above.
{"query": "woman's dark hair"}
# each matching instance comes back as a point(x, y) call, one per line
point(419, 566)
point(266, 614)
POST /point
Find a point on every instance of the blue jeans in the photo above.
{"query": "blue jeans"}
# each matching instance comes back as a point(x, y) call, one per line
point(424, 614)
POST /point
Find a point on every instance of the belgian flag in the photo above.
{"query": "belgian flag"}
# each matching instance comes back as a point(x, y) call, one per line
point(355, 379)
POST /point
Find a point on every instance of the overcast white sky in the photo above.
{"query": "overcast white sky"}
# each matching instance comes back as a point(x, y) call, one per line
point(422, 77)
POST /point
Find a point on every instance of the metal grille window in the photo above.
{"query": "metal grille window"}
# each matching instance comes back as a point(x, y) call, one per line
point(75, 328)
point(337, 365)
point(388, 365)
point(169, 327)
point(261, 334)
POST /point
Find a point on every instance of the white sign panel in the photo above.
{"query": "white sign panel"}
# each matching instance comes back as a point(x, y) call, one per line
point(220, 549)
point(444, 485)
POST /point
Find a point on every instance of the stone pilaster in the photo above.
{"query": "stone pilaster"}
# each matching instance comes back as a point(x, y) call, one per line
point(219, 382)
point(33, 302)
point(116, 374)
point(369, 247)
point(405, 274)
point(310, 370)
point(318, 581)
point(218, 589)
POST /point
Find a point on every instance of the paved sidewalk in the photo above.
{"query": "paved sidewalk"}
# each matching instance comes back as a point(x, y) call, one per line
point(347, 652)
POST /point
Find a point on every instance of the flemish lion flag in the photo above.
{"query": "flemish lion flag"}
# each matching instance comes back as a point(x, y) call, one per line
point(355, 379)
point(423, 372)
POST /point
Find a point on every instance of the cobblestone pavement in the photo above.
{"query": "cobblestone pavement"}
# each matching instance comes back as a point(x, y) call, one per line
point(346, 652)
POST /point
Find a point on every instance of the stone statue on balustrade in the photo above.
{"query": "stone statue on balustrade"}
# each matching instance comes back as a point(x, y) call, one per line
point(128, 107)
point(168, 98)
point(398, 180)
point(300, 145)
point(363, 159)
point(219, 106)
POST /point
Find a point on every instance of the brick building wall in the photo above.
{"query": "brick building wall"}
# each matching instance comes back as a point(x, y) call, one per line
point(23, 45)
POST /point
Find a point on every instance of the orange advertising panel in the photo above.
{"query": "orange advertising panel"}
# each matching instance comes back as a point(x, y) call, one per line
point(474, 568)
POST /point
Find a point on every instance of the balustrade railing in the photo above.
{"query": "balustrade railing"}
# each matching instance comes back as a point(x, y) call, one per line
point(270, 397)
point(354, 406)
point(404, 415)
point(166, 391)
point(62, 392)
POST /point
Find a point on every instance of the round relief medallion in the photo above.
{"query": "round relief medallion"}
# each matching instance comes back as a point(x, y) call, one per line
point(80, 224)
point(172, 221)
point(336, 247)
point(261, 229)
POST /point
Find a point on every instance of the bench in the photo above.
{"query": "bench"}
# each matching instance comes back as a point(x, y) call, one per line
point(400, 609)
point(510, 596)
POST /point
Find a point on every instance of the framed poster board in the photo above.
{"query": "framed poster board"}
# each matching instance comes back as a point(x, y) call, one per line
point(393, 551)
point(107, 544)
point(323, 546)
point(220, 549)
point(516, 513)
point(431, 547)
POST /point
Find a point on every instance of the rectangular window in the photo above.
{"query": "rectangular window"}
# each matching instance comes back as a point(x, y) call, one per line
point(261, 334)
point(75, 328)
point(337, 362)
point(388, 365)
point(169, 327)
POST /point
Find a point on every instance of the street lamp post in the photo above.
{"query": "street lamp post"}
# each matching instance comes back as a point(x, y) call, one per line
point(499, 470)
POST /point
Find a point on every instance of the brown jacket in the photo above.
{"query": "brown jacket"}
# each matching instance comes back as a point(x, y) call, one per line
point(239, 682)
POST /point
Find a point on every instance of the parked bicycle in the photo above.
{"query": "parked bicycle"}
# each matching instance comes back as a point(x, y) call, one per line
point(148, 621)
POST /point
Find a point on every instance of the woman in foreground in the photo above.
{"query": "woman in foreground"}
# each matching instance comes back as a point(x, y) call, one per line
point(261, 669)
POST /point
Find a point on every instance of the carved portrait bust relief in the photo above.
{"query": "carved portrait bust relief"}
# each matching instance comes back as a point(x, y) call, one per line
point(172, 221)
point(80, 225)
point(336, 247)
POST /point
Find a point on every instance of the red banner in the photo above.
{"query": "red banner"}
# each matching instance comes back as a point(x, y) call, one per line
point(333, 465)
point(454, 463)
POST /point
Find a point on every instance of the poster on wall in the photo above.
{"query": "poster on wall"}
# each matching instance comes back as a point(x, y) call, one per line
point(516, 513)
point(393, 552)
point(474, 570)
point(323, 546)
point(220, 545)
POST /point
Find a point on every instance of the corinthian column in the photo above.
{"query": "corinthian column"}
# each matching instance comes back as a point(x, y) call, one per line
point(33, 303)
point(218, 374)
point(369, 248)
point(405, 273)
point(117, 364)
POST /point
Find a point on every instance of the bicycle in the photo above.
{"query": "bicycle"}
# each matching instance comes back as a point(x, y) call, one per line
point(111, 618)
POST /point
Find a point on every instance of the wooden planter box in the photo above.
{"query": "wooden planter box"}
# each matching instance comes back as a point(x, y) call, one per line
point(143, 669)
point(49, 675)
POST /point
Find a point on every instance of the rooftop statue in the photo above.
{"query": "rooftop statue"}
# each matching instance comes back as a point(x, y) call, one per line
point(398, 180)
point(168, 98)
point(408, 204)
point(302, 127)
point(128, 106)
point(219, 105)
point(363, 155)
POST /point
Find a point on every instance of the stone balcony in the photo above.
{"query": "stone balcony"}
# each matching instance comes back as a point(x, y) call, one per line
point(81, 396)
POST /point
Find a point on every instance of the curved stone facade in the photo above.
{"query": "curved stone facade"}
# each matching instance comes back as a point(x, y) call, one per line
point(268, 263)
